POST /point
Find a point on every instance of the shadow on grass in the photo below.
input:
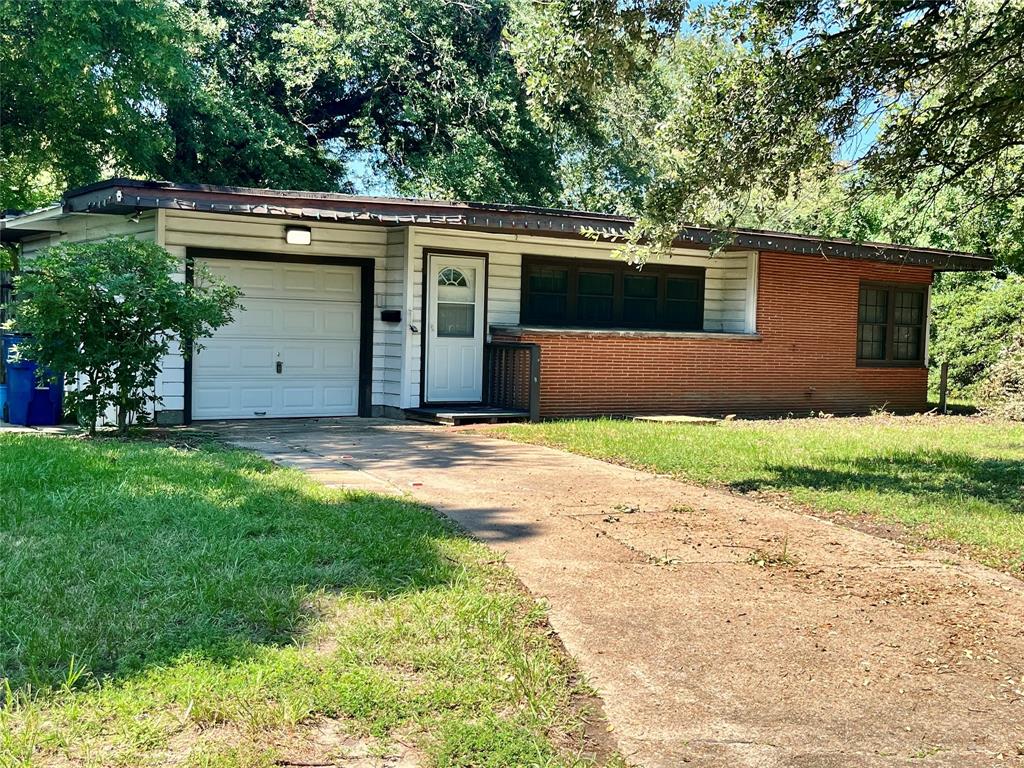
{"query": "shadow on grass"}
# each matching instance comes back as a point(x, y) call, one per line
point(124, 555)
point(946, 476)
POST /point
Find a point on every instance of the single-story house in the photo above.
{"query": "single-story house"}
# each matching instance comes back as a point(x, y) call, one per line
point(382, 306)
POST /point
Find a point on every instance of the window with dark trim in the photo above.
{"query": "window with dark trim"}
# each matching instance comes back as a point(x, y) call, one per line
point(891, 324)
point(578, 293)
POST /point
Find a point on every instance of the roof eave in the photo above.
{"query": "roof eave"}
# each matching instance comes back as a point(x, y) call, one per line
point(128, 196)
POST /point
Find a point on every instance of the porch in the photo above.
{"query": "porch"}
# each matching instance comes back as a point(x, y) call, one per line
point(511, 390)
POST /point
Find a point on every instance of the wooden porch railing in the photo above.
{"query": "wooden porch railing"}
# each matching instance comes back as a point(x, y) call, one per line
point(513, 377)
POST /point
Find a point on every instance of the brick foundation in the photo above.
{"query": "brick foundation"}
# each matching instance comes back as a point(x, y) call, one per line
point(803, 359)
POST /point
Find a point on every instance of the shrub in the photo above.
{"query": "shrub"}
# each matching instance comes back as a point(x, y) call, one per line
point(106, 313)
point(973, 316)
point(1002, 391)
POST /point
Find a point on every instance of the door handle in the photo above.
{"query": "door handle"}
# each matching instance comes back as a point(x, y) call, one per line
point(280, 366)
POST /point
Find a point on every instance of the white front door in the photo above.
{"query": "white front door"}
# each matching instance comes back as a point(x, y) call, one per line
point(455, 329)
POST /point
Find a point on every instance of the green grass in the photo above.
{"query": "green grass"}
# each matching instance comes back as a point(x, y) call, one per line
point(199, 606)
point(956, 479)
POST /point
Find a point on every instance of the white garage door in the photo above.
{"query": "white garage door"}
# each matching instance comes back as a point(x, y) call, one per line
point(293, 350)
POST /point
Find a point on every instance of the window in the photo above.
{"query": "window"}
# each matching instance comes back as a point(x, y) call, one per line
point(546, 294)
point(600, 294)
point(890, 329)
point(874, 321)
point(450, 276)
point(595, 298)
point(456, 307)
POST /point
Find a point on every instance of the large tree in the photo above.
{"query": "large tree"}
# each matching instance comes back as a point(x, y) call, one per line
point(279, 93)
point(429, 87)
point(77, 83)
point(917, 99)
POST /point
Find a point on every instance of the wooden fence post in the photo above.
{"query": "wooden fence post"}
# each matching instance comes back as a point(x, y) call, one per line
point(535, 382)
point(943, 387)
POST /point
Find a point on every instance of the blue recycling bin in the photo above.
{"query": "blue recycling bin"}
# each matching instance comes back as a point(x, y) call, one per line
point(29, 403)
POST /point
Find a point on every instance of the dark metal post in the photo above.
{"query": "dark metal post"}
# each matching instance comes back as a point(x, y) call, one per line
point(488, 373)
point(943, 387)
point(535, 382)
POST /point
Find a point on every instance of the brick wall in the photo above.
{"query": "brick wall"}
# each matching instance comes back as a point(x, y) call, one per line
point(804, 360)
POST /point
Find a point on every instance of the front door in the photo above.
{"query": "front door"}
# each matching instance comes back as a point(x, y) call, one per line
point(455, 329)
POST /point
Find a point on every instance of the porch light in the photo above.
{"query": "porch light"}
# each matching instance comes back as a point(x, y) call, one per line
point(298, 235)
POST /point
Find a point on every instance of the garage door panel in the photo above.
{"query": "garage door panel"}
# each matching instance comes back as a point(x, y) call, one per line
point(231, 358)
point(309, 358)
point(298, 322)
point(341, 358)
point(252, 278)
point(256, 359)
point(300, 281)
point(280, 318)
point(341, 285)
point(301, 358)
point(305, 282)
point(269, 398)
point(257, 279)
point(298, 397)
point(305, 317)
point(341, 323)
point(252, 319)
point(341, 397)
point(256, 397)
point(208, 401)
point(319, 282)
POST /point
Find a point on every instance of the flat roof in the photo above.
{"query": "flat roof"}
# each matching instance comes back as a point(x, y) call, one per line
point(126, 196)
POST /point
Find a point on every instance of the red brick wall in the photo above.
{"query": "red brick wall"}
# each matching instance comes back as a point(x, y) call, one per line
point(804, 360)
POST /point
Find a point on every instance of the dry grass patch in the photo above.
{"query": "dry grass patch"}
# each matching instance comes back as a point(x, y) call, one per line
point(952, 480)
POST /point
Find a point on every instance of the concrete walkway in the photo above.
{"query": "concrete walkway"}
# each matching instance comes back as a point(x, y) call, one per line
point(719, 631)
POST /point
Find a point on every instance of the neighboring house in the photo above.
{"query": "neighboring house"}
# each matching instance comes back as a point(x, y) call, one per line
point(363, 305)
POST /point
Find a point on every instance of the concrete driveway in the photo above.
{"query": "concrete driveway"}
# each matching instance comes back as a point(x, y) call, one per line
point(719, 631)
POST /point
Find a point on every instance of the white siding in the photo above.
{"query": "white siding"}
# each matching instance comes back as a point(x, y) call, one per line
point(414, 267)
point(266, 235)
point(170, 382)
point(389, 339)
point(91, 228)
point(725, 292)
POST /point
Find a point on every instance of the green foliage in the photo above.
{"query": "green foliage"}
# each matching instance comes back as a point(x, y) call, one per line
point(82, 81)
point(921, 98)
point(1002, 391)
point(280, 93)
point(106, 313)
point(8, 258)
point(974, 316)
point(571, 51)
point(429, 86)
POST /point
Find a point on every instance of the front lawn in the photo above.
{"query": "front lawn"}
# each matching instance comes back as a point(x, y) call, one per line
point(955, 479)
point(197, 606)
